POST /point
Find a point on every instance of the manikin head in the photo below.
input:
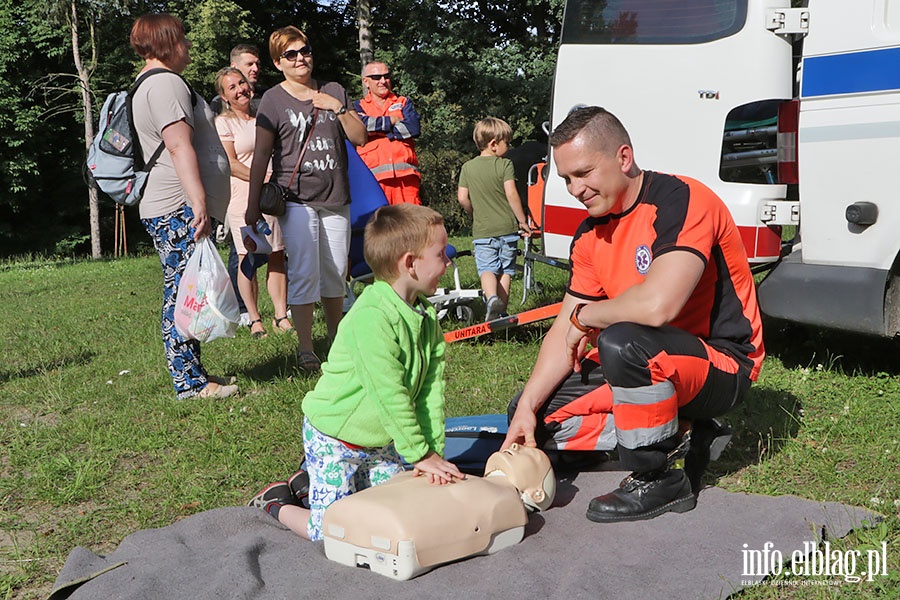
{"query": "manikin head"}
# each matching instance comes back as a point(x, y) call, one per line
point(529, 470)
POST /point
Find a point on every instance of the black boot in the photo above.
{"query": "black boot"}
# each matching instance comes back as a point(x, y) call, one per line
point(644, 496)
point(708, 438)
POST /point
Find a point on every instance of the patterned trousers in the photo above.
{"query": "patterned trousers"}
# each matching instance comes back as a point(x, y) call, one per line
point(337, 470)
point(173, 238)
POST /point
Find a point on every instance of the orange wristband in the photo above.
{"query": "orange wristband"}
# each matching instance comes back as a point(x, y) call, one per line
point(573, 319)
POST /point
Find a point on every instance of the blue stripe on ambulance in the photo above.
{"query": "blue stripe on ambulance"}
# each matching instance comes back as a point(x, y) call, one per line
point(851, 73)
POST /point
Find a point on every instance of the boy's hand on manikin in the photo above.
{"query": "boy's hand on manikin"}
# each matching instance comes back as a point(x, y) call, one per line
point(438, 470)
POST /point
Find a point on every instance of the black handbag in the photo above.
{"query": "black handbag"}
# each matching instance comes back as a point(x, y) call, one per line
point(273, 199)
point(273, 196)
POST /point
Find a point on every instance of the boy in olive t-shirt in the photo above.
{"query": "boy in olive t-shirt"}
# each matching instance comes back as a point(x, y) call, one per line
point(487, 191)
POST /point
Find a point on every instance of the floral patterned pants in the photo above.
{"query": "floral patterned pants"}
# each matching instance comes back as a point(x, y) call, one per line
point(337, 470)
point(173, 238)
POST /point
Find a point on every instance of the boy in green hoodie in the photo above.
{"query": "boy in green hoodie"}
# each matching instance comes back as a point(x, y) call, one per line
point(380, 399)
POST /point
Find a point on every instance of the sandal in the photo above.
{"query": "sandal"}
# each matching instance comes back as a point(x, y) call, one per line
point(217, 390)
point(226, 380)
point(257, 335)
point(276, 324)
point(308, 362)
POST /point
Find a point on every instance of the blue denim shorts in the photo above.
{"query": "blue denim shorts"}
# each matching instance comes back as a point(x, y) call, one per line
point(496, 254)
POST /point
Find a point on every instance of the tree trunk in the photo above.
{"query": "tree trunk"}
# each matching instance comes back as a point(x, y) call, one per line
point(85, 84)
point(366, 45)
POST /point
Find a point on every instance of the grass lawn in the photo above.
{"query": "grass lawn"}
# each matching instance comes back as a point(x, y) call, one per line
point(95, 447)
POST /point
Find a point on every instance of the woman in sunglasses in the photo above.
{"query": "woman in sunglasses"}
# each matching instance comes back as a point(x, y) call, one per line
point(301, 124)
point(187, 186)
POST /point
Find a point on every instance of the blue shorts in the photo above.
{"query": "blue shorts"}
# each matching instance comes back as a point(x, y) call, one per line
point(497, 254)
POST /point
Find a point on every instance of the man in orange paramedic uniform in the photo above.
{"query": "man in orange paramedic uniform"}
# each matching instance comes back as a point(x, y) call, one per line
point(660, 285)
point(392, 123)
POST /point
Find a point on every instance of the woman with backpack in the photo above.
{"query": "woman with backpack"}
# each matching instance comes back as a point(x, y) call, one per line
point(187, 187)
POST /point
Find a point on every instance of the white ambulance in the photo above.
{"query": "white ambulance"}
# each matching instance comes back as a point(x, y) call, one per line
point(792, 115)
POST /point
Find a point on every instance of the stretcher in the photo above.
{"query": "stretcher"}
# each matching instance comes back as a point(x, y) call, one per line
point(528, 316)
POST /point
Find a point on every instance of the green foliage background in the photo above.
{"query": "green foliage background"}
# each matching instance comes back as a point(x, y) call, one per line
point(459, 61)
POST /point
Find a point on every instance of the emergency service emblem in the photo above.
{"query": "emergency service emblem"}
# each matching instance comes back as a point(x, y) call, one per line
point(642, 259)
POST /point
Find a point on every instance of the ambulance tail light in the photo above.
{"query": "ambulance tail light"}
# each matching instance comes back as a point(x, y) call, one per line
point(788, 125)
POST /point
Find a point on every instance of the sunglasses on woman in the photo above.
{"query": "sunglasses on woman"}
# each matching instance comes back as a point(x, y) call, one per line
point(305, 52)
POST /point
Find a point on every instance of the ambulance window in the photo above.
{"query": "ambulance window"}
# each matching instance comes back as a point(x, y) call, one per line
point(651, 21)
point(750, 143)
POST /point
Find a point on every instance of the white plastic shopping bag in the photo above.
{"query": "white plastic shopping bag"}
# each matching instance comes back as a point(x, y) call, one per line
point(206, 307)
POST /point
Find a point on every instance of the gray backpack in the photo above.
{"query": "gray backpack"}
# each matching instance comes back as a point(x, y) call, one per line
point(115, 161)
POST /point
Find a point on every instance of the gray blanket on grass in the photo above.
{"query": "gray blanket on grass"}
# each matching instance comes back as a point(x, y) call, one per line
point(242, 553)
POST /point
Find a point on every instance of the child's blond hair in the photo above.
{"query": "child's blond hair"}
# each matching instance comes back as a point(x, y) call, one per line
point(395, 230)
point(489, 129)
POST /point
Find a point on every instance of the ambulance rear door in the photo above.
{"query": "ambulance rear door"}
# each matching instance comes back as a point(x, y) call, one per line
point(849, 138)
point(673, 71)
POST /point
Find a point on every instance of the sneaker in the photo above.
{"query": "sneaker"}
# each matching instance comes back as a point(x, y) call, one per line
point(299, 484)
point(644, 496)
point(244, 321)
point(279, 492)
point(494, 308)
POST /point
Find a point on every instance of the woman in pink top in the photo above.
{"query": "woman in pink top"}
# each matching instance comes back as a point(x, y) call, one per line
point(237, 130)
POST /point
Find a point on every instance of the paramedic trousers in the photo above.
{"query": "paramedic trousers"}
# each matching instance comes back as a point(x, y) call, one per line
point(402, 190)
point(647, 378)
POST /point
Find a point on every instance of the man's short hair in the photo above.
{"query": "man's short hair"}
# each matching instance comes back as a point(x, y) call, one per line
point(282, 38)
point(374, 62)
point(243, 49)
point(602, 129)
point(489, 129)
point(395, 230)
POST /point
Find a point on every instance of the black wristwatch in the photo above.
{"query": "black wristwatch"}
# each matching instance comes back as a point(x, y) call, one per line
point(341, 111)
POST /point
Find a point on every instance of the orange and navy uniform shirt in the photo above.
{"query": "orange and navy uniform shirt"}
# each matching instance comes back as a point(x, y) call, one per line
point(612, 253)
point(391, 150)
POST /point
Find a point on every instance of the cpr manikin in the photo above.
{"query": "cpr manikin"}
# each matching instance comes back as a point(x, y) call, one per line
point(407, 526)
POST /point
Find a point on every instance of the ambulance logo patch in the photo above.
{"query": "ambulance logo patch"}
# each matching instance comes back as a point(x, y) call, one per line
point(395, 106)
point(642, 259)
